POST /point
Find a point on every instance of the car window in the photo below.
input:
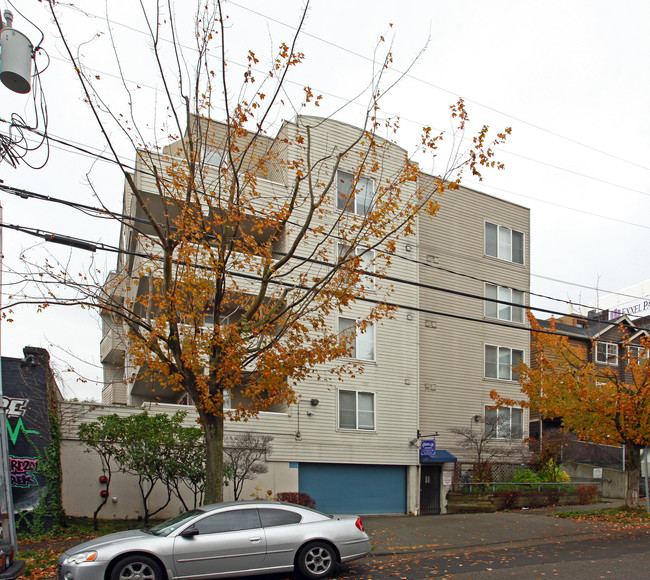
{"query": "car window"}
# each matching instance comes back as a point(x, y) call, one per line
point(278, 517)
point(229, 521)
point(167, 527)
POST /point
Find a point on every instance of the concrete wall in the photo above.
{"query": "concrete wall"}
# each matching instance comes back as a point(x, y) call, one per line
point(82, 470)
point(614, 482)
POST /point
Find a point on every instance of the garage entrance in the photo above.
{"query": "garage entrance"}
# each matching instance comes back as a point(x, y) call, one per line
point(355, 489)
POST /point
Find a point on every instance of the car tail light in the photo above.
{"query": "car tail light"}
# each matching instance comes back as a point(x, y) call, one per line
point(359, 524)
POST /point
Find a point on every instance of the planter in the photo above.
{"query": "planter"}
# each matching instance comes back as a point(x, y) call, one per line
point(464, 502)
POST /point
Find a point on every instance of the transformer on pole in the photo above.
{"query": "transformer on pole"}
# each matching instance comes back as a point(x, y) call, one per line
point(16, 53)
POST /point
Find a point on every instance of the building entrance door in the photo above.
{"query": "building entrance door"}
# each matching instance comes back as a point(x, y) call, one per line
point(430, 476)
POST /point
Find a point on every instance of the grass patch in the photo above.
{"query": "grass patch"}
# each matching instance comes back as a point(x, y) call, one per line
point(41, 552)
point(616, 515)
point(39, 563)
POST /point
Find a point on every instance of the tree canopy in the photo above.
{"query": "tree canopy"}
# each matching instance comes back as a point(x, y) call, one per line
point(241, 240)
point(599, 403)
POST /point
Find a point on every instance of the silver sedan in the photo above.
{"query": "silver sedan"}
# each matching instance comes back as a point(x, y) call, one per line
point(222, 540)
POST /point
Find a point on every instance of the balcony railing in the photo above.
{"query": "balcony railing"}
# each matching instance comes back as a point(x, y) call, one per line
point(112, 347)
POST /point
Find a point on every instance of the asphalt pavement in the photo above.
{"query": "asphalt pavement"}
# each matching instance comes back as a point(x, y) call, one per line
point(472, 532)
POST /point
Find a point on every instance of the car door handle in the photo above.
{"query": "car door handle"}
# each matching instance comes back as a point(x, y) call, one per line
point(255, 539)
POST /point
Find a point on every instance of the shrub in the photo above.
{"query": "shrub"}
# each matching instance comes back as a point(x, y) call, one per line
point(587, 494)
point(482, 472)
point(554, 473)
point(297, 497)
point(525, 475)
point(509, 498)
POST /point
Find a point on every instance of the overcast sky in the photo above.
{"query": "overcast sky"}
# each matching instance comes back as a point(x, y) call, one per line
point(570, 78)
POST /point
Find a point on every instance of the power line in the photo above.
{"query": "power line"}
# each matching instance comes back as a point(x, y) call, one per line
point(87, 152)
point(448, 91)
point(106, 214)
point(92, 246)
point(100, 212)
point(417, 123)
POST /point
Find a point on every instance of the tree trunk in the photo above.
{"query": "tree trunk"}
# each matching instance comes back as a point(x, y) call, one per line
point(633, 453)
point(213, 434)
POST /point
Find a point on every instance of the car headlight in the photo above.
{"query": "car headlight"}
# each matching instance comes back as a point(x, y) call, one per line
point(81, 557)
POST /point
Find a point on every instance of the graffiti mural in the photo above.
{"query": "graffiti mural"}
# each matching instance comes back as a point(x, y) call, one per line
point(23, 471)
point(24, 387)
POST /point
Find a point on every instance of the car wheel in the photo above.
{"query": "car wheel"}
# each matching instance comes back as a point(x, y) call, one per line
point(137, 568)
point(316, 560)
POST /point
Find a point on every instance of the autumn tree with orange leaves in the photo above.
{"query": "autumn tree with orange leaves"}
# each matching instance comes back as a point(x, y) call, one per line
point(597, 402)
point(241, 242)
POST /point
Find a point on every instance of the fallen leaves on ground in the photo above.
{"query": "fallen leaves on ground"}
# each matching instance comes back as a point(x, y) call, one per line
point(623, 517)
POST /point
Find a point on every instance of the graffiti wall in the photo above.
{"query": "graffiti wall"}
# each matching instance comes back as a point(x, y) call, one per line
point(24, 387)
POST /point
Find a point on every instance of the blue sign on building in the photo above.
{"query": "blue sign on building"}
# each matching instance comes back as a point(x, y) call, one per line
point(428, 448)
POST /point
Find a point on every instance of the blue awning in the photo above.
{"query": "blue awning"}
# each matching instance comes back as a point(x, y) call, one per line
point(441, 456)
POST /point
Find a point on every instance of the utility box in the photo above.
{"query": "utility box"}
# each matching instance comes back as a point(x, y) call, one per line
point(15, 60)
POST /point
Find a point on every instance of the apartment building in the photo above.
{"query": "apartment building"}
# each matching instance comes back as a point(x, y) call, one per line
point(363, 444)
point(474, 267)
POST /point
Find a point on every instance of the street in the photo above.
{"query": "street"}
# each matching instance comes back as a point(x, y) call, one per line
point(617, 554)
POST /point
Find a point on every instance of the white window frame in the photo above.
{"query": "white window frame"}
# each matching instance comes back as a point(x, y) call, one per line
point(503, 244)
point(345, 179)
point(501, 427)
point(607, 355)
point(504, 363)
point(636, 352)
point(366, 338)
point(366, 263)
point(504, 311)
point(358, 395)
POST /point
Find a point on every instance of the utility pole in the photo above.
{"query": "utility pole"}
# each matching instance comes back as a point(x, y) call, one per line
point(6, 496)
point(16, 55)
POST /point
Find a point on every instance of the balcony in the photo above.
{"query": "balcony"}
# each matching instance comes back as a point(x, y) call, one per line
point(112, 347)
point(115, 393)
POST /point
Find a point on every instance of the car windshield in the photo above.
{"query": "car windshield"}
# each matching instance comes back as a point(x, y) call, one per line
point(167, 527)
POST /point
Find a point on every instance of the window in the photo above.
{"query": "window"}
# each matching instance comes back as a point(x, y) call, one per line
point(504, 243)
point(504, 423)
point(276, 517)
point(363, 343)
point(357, 410)
point(354, 195)
point(366, 262)
point(607, 353)
point(636, 353)
point(213, 157)
point(230, 521)
point(504, 311)
point(227, 400)
point(499, 362)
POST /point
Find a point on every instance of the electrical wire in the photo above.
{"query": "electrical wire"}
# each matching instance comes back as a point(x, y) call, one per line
point(440, 88)
point(100, 212)
point(419, 124)
point(94, 246)
point(103, 213)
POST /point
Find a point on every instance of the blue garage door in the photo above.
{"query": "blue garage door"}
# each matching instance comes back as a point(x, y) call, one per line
point(355, 489)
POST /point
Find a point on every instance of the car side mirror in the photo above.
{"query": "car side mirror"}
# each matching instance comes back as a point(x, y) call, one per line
point(189, 532)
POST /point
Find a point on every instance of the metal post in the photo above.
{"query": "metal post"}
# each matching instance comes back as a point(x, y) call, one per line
point(6, 497)
point(645, 463)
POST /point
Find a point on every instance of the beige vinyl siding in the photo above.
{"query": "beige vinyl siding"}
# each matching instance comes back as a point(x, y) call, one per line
point(451, 248)
point(392, 377)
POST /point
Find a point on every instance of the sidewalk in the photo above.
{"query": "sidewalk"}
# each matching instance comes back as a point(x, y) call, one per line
point(474, 532)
